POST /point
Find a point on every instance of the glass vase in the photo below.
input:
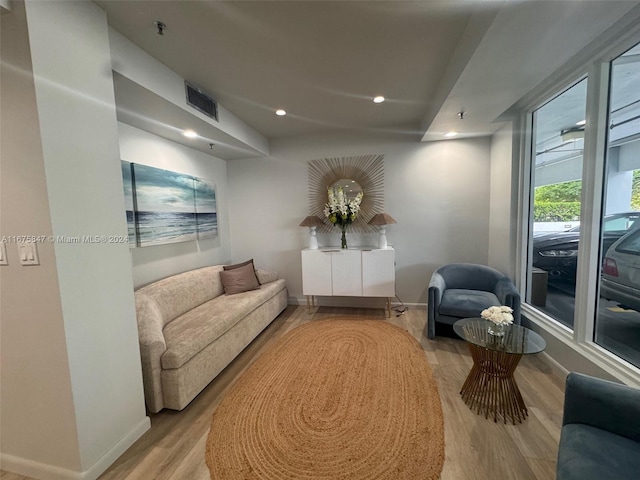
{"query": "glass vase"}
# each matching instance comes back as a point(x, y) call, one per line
point(343, 240)
point(496, 329)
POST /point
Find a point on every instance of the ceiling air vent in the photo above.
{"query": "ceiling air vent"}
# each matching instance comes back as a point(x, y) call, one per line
point(201, 101)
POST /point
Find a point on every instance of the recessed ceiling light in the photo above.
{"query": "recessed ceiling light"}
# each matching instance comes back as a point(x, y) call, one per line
point(280, 112)
point(451, 134)
point(581, 122)
point(189, 134)
point(378, 99)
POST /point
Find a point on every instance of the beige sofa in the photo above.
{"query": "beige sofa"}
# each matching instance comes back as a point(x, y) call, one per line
point(190, 330)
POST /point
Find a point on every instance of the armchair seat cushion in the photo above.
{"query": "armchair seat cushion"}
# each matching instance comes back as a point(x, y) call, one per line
point(589, 453)
point(462, 303)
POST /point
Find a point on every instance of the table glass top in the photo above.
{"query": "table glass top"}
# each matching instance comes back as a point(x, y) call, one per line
point(517, 339)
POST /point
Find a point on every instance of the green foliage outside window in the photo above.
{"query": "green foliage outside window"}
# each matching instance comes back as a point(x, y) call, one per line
point(635, 191)
point(556, 211)
point(561, 202)
point(557, 203)
point(560, 192)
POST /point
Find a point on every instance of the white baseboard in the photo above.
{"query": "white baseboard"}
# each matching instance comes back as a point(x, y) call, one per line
point(30, 468)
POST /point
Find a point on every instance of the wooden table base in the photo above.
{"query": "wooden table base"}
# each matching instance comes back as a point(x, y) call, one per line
point(490, 387)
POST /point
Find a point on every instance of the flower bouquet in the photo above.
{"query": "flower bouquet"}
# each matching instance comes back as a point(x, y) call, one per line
point(499, 317)
point(342, 211)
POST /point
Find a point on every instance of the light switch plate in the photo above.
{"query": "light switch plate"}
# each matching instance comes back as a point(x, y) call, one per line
point(28, 253)
point(3, 254)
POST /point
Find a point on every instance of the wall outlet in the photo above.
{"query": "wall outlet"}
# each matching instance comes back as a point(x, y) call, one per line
point(3, 254)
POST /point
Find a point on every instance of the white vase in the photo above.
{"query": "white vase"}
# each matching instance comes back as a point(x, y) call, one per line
point(313, 239)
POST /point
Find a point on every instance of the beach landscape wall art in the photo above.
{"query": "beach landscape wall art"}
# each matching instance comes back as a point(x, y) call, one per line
point(128, 202)
point(167, 207)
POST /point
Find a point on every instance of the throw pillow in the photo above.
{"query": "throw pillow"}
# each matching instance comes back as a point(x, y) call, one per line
point(265, 276)
point(240, 279)
point(238, 265)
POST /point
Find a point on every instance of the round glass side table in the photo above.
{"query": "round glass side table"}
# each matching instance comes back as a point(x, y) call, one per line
point(490, 387)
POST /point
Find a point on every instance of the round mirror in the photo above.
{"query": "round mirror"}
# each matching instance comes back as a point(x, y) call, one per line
point(350, 187)
point(364, 173)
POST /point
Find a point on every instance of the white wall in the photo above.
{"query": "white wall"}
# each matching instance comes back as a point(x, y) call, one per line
point(438, 192)
point(78, 131)
point(37, 416)
point(159, 261)
point(503, 212)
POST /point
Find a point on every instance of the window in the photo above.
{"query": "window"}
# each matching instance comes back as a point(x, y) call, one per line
point(556, 180)
point(618, 312)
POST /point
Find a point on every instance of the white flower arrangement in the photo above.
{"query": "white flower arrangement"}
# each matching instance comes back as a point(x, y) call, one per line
point(339, 209)
point(499, 315)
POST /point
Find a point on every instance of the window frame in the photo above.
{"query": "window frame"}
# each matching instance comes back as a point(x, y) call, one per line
point(594, 63)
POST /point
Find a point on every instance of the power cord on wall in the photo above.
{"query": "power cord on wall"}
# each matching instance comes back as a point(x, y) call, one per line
point(399, 309)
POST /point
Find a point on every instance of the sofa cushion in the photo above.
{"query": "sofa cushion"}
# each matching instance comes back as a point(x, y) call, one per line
point(180, 293)
point(190, 333)
point(239, 279)
point(587, 453)
point(466, 303)
point(265, 276)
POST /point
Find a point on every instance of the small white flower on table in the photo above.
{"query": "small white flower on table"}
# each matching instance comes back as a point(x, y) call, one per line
point(500, 315)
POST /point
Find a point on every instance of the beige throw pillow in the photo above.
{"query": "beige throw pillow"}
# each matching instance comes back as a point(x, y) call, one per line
point(265, 276)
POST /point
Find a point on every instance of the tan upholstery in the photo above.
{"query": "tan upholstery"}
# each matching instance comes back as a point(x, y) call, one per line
point(189, 330)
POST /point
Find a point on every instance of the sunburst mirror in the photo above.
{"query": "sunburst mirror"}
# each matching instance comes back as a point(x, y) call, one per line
point(353, 174)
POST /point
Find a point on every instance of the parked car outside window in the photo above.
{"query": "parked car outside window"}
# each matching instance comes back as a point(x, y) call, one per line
point(557, 253)
point(620, 281)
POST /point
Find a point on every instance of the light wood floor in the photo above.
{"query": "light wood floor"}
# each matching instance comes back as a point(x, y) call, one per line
point(476, 448)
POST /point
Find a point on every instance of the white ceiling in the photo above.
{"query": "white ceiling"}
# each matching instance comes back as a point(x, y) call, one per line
point(323, 62)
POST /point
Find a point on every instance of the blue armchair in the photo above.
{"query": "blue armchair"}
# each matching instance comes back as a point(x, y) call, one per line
point(463, 290)
point(600, 430)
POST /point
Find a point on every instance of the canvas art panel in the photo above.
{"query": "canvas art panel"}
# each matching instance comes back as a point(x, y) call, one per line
point(206, 214)
point(128, 202)
point(168, 207)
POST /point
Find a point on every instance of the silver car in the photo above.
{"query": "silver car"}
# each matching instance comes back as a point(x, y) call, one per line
point(621, 272)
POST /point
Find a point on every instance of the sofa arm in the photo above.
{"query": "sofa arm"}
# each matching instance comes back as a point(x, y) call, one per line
point(508, 295)
point(265, 276)
point(152, 347)
point(601, 404)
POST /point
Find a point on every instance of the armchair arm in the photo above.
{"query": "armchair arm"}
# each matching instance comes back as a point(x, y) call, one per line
point(152, 347)
point(601, 404)
point(508, 295)
point(437, 286)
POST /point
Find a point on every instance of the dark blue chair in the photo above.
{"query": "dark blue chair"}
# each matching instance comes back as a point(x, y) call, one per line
point(463, 290)
point(600, 436)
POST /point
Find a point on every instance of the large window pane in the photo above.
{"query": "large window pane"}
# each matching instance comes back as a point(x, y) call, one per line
point(618, 318)
point(557, 184)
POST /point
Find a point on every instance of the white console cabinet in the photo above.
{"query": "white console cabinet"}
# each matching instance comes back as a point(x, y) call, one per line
point(361, 272)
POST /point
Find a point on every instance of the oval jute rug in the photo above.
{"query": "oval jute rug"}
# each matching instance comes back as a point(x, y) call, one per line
point(332, 399)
